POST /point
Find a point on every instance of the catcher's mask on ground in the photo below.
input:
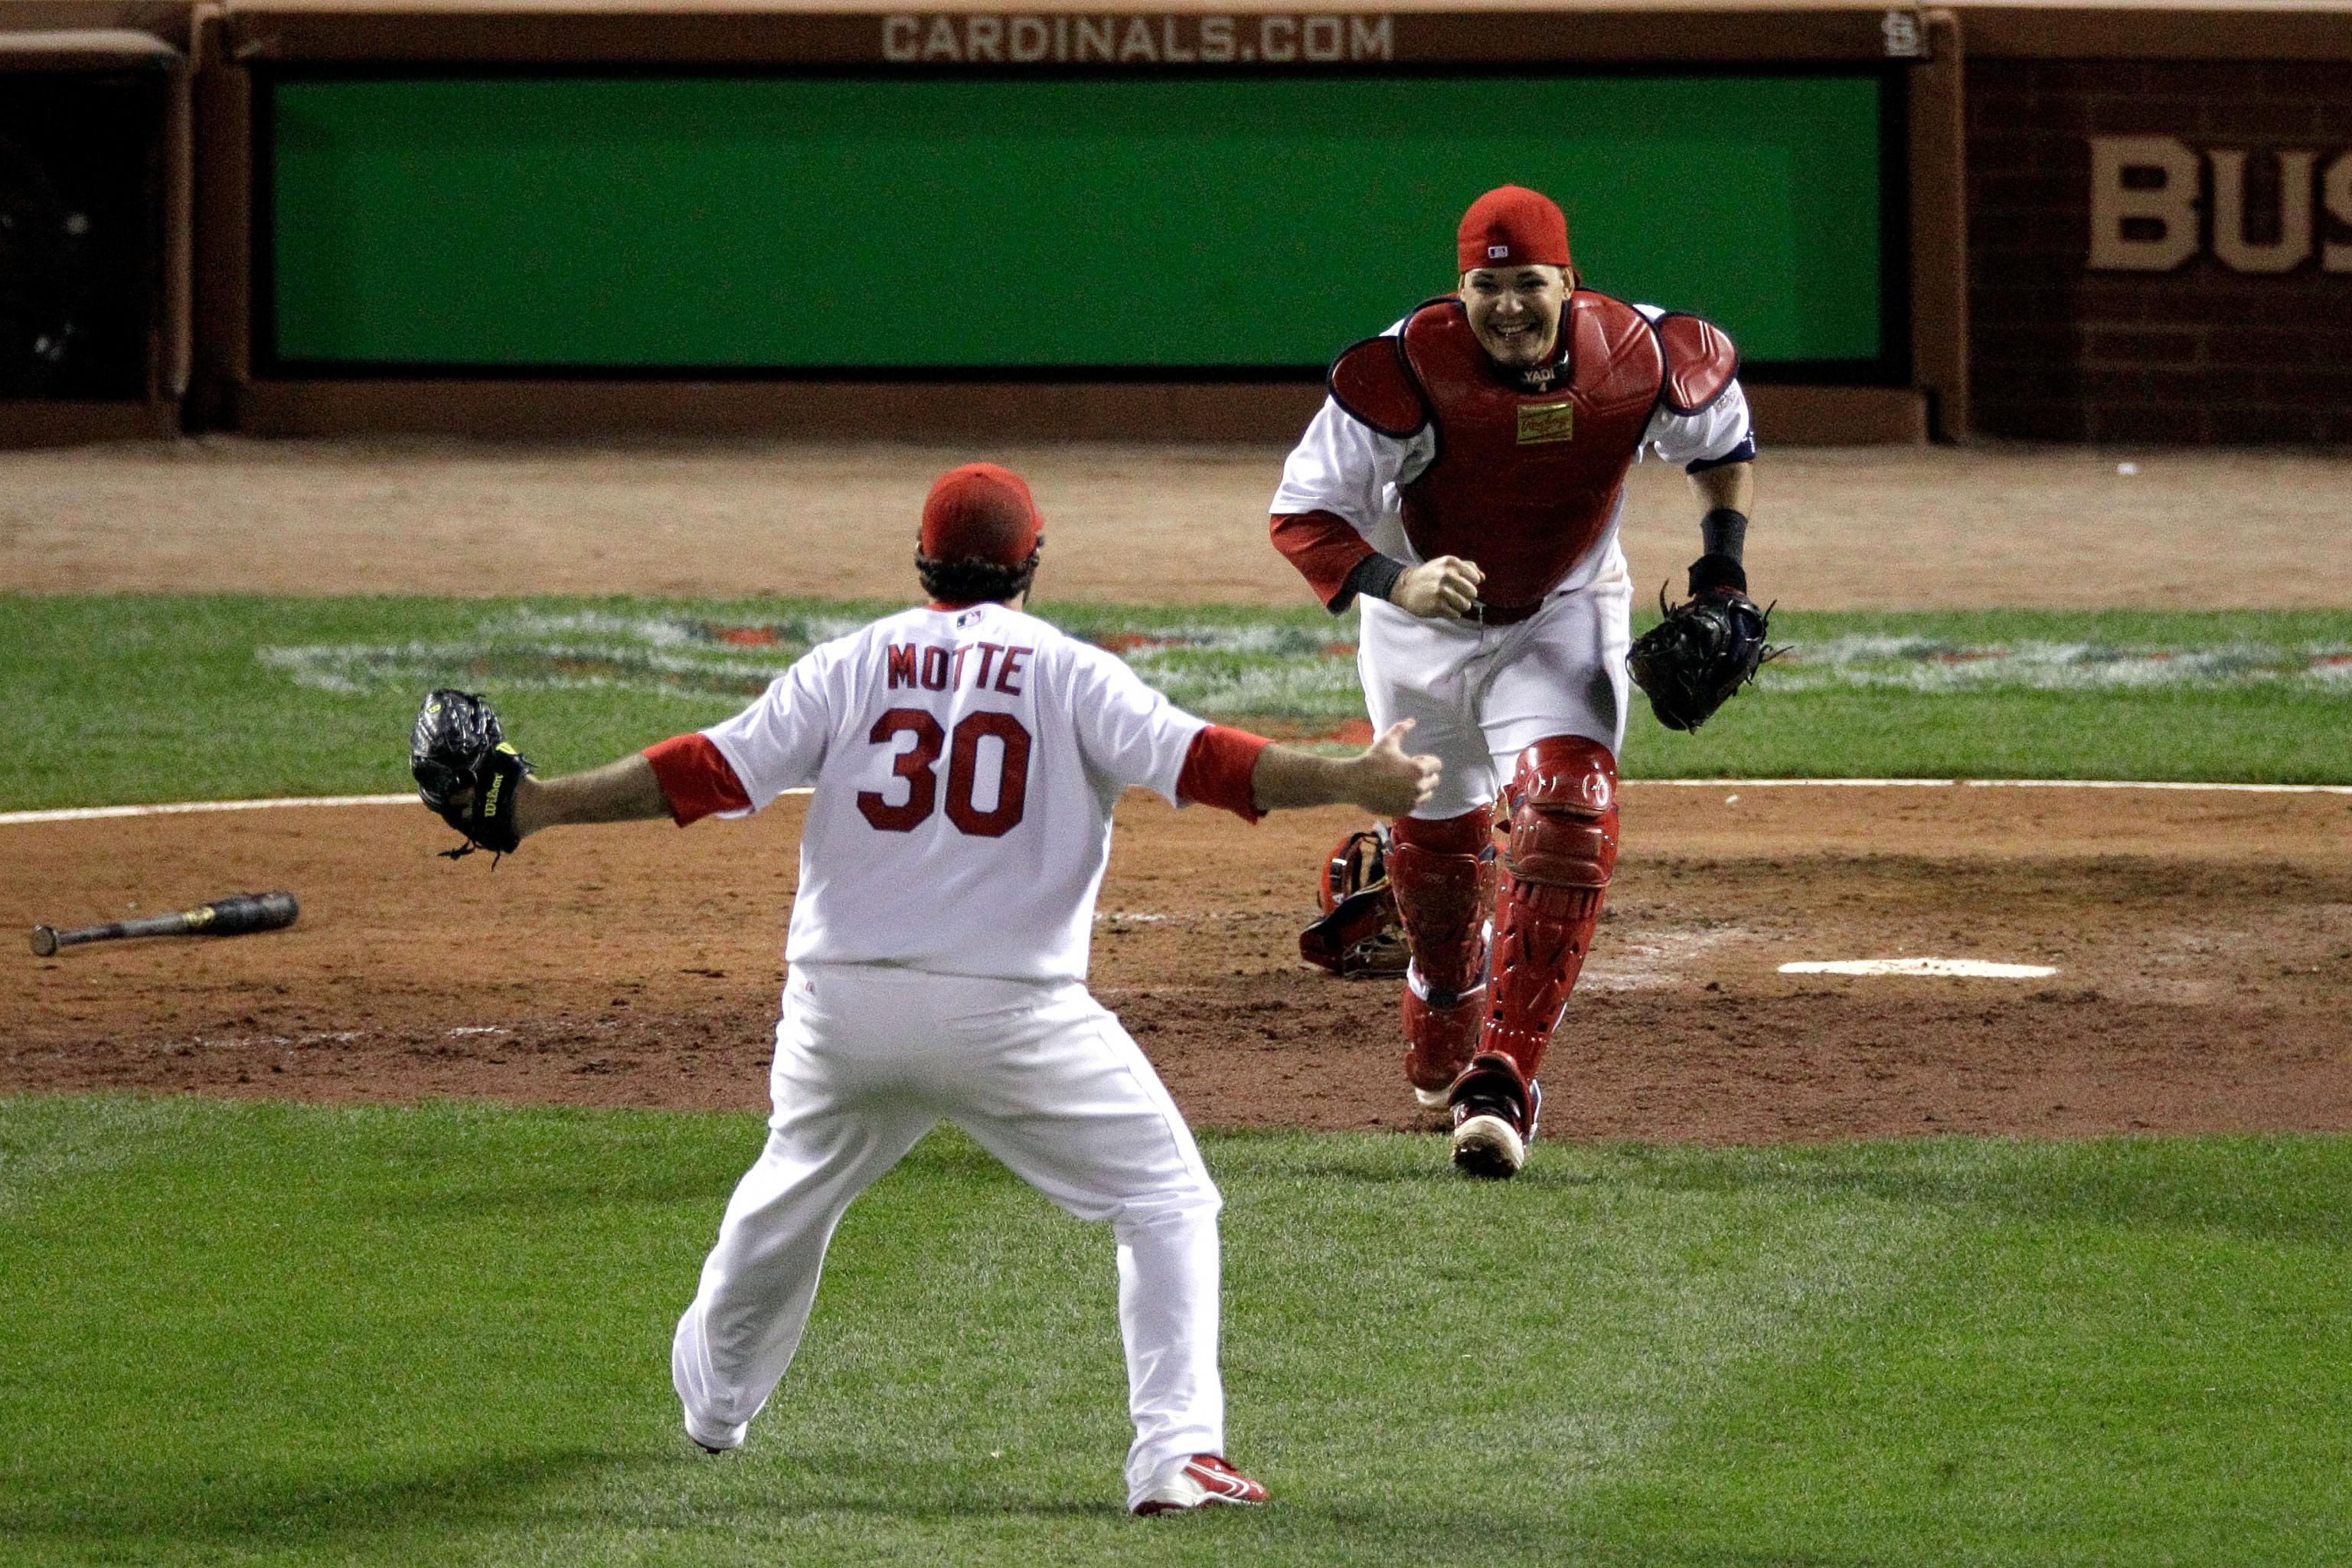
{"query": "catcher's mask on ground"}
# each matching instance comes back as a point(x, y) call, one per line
point(1361, 933)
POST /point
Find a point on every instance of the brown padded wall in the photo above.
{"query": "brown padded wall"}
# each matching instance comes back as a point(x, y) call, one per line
point(425, 30)
point(100, 124)
point(2201, 352)
point(2152, 32)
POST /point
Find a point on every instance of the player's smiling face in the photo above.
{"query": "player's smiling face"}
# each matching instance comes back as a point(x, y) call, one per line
point(1515, 311)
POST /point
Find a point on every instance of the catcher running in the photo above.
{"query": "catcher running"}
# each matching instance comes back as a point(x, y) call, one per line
point(1464, 478)
point(965, 759)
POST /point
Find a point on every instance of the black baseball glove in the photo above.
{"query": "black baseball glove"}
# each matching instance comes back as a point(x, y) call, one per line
point(1698, 659)
point(466, 771)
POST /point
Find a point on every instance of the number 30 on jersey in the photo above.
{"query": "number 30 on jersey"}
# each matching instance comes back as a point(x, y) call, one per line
point(918, 765)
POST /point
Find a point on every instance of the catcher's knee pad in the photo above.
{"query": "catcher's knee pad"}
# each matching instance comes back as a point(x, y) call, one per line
point(1443, 873)
point(1563, 814)
point(1562, 853)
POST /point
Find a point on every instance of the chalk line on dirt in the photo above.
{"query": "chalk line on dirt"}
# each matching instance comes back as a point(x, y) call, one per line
point(1967, 968)
point(93, 813)
point(1997, 784)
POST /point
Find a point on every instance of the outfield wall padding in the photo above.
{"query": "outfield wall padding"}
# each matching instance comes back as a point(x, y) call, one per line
point(671, 212)
point(889, 224)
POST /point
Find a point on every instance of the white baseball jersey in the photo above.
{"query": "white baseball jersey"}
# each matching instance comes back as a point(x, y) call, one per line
point(1346, 467)
point(965, 765)
point(965, 762)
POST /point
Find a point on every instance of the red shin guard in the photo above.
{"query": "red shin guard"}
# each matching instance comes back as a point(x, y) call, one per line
point(1540, 950)
point(1444, 876)
point(1563, 849)
point(1438, 1038)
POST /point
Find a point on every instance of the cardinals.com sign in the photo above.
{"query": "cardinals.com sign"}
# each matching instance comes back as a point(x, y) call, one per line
point(2152, 198)
point(1170, 39)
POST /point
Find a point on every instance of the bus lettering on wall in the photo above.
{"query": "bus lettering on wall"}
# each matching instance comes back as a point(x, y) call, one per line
point(1175, 38)
point(2152, 198)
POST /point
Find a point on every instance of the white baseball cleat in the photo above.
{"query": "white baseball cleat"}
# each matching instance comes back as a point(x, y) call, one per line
point(1433, 1099)
point(1489, 1146)
point(1494, 1111)
point(1204, 1480)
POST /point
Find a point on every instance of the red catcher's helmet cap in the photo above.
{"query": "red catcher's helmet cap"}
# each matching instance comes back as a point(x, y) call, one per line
point(981, 512)
point(1512, 225)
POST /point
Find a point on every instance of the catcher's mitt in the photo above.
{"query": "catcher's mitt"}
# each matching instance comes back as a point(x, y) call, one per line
point(1361, 933)
point(1698, 659)
point(466, 771)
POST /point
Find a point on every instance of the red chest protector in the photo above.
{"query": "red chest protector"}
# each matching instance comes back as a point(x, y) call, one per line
point(1524, 482)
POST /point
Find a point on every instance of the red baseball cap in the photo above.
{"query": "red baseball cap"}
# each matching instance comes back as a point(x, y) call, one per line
point(1512, 225)
point(981, 512)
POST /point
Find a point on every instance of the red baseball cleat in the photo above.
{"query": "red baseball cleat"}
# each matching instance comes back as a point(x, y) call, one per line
point(1203, 1480)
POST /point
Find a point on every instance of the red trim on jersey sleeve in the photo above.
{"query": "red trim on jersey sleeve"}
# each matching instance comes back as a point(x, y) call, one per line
point(1218, 771)
point(695, 778)
point(1325, 549)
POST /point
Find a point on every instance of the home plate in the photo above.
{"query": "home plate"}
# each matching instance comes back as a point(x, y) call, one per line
point(1971, 968)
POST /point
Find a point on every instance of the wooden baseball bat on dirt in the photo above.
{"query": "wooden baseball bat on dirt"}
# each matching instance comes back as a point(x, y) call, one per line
point(232, 916)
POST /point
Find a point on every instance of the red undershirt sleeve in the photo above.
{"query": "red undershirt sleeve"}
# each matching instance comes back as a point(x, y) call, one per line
point(1218, 770)
point(695, 778)
point(1324, 548)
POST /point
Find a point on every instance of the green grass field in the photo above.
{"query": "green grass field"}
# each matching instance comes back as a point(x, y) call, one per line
point(248, 1335)
point(119, 700)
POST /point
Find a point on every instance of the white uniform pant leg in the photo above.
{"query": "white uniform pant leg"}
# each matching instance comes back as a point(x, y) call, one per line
point(1069, 1102)
point(826, 1143)
point(1434, 673)
point(1562, 671)
point(1168, 1287)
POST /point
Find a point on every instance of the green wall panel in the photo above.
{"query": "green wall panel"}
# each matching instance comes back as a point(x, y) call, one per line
point(1151, 223)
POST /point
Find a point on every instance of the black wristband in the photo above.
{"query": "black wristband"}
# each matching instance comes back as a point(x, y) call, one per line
point(1714, 570)
point(1723, 531)
point(1375, 577)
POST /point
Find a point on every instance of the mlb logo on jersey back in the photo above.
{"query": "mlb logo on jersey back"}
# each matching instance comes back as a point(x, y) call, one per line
point(970, 617)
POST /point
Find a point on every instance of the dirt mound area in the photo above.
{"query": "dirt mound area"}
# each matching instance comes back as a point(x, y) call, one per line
point(2202, 944)
point(1905, 528)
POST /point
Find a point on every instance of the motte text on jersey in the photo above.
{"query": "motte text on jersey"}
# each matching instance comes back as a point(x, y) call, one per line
point(930, 668)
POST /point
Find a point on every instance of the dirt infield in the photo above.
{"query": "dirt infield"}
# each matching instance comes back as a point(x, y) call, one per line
point(2203, 944)
point(2203, 940)
point(1919, 528)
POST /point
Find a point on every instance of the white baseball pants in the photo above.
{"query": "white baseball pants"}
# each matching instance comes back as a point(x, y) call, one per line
point(1480, 695)
point(868, 1059)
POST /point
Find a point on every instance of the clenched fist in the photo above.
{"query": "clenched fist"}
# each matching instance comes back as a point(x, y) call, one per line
point(1442, 589)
